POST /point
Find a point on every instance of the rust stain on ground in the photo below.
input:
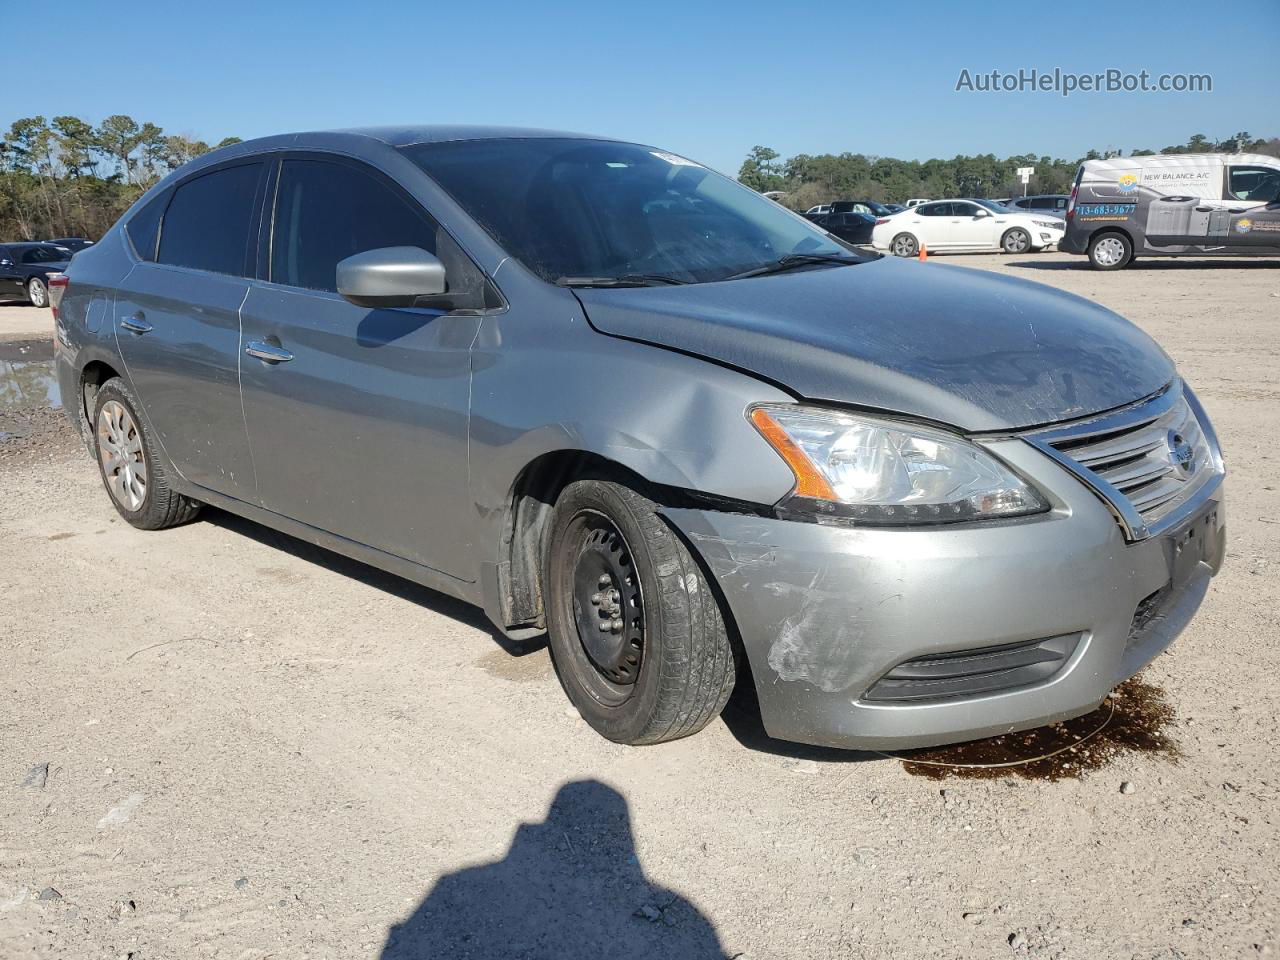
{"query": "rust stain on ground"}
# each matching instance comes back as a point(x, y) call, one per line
point(1133, 719)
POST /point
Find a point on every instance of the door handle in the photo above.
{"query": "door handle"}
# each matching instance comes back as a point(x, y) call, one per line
point(269, 352)
point(136, 324)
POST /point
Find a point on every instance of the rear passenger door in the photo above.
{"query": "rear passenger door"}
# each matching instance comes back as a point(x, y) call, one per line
point(932, 225)
point(11, 286)
point(177, 321)
point(360, 427)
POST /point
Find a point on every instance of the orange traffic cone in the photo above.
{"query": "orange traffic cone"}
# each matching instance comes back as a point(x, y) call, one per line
point(924, 253)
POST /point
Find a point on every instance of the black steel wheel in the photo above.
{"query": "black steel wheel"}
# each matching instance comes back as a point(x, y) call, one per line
point(636, 633)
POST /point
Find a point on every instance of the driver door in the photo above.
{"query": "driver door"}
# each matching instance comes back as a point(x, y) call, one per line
point(357, 416)
point(971, 227)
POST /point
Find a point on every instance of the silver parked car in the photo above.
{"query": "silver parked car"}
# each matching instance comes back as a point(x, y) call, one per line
point(607, 394)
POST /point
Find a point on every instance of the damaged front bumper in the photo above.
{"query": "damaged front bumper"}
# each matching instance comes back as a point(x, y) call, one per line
point(830, 615)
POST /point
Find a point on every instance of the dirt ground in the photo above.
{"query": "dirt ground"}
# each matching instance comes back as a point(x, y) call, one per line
point(214, 743)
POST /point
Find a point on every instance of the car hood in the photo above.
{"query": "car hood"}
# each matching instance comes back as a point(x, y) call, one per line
point(955, 345)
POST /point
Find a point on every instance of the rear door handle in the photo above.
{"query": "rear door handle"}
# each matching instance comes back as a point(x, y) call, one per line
point(267, 351)
point(136, 324)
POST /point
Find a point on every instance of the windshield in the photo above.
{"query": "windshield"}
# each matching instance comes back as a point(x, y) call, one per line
point(46, 253)
point(573, 208)
point(996, 207)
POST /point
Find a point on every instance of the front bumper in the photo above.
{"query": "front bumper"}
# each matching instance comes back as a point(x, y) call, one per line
point(825, 611)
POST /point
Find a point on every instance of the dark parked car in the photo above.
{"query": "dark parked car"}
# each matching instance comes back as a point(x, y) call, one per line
point(609, 395)
point(850, 227)
point(869, 207)
point(74, 244)
point(25, 269)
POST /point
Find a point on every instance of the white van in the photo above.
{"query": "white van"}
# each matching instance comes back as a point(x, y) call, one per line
point(1207, 204)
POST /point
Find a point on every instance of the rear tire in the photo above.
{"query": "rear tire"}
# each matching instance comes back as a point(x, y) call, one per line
point(636, 633)
point(904, 245)
point(134, 478)
point(37, 292)
point(1110, 251)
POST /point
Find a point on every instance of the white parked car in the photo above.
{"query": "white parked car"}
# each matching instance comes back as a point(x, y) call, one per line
point(944, 226)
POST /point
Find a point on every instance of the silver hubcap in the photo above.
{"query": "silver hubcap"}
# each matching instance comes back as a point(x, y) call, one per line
point(904, 247)
point(36, 290)
point(1108, 251)
point(120, 451)
point(1016, 242)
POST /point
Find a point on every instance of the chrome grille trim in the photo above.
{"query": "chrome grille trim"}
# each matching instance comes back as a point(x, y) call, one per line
point(1127, 458)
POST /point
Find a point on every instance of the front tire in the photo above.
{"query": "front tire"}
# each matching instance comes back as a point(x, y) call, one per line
point(1016, 240)
point(1110, 251)
point(636, 634)
point(134, 478)
point(37, 292)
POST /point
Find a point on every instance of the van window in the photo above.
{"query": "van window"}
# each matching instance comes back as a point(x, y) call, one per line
point(1255, 184)
point(325, 212)
point(206, 226)
point(144, 227)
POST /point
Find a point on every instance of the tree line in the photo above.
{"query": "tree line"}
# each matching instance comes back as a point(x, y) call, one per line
point(811, 179)
point(69, 178)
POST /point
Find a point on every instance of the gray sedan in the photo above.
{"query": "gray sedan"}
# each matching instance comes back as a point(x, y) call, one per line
point(611, 396)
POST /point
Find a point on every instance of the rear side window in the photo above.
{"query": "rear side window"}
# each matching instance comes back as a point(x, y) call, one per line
point(325, 212)
point(207, 225)
point(144, 227)
point(934, 209)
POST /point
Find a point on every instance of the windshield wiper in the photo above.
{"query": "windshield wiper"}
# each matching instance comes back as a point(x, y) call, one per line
point(626, 280)
point(793, 260)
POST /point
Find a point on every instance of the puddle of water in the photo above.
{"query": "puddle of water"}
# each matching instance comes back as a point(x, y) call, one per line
point(1132, 720)
point(27, 377)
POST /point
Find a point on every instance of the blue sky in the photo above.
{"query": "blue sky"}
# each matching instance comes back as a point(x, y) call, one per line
point(706, 79)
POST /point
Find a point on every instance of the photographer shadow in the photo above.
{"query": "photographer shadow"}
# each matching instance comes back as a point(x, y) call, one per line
point(569, 887)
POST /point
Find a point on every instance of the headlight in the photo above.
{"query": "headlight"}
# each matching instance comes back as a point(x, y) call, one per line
point(1056, 224)
point(880, 472)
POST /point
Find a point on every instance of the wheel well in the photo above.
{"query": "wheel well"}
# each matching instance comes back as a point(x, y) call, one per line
point(1102, 231)
point(93, 376)
point(528, 521)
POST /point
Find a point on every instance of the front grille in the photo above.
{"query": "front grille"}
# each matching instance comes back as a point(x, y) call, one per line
point(969, 673)
point(1146, 461)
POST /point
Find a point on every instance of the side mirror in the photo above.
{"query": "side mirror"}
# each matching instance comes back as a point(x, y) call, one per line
point(981, 213)
point(390, 277)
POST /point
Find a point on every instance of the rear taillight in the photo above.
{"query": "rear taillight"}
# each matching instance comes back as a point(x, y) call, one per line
point(57, 284)
point(880, 220)
point(1071, 202)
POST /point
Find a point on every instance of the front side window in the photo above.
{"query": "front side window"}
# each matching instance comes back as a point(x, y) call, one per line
point(964, 210)
point(576, 208)
point(207, 224)
point(326, 212)
point(1255, 184)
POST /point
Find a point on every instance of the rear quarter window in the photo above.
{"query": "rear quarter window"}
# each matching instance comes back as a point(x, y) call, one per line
point(144, 227)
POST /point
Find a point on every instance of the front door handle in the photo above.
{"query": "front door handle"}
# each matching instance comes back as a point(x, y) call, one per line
point(269, 352)
point(136, 324)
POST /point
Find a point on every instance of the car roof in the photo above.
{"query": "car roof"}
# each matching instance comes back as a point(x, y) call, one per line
point(31, 243)
point(403, 136)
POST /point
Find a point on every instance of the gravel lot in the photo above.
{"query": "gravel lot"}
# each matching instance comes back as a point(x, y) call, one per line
point(219, 744)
